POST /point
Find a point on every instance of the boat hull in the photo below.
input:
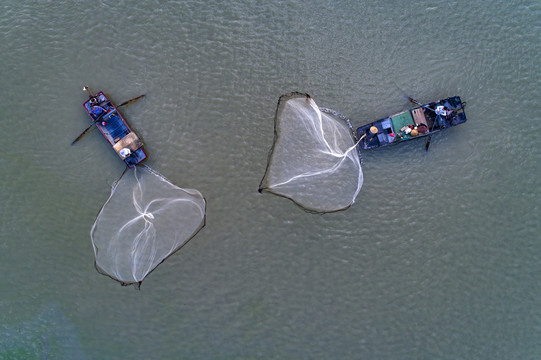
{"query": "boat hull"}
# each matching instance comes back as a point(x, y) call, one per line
point(412, 124)
point(115, 129)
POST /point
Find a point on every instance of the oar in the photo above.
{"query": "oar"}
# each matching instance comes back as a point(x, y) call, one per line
point(88, 128)
point(427, 144)
point(124, 103)
point(418, 103)
point(414, 101)
point(83, 133)
point(131, 100)
point(94, 122)
point(430, 136)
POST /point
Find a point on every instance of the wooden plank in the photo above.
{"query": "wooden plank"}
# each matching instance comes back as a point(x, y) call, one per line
point(419, 116)
point(130, 141)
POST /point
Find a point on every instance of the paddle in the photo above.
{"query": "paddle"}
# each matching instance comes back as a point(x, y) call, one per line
point(83, 133)
point(131, 100)
point(418, 103)
point(430, 136)
point(427, 144)
point(94, 122)
point(88, 128)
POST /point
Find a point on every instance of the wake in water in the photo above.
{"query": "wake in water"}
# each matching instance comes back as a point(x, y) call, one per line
point(314, 159)
point(145, 220)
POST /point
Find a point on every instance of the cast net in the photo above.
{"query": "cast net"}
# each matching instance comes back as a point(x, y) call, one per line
point(145, 219)
point(314, 160)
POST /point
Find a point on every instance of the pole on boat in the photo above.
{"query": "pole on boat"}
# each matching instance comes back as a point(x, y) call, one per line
point(418, 103)
point(90, 95)
point(414, 101)
point(87, 89)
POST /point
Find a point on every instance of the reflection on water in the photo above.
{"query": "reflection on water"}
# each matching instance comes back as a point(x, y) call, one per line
point(48, 335)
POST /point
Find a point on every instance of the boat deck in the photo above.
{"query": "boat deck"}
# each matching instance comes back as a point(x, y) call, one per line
point(398, 128)
point(115, 129)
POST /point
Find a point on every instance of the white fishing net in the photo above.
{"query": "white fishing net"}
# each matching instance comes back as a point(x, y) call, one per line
point(146, 219)
point(314, 159)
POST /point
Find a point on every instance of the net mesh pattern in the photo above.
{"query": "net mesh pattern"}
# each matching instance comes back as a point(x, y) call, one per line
point(145, 220)
point(314, 159)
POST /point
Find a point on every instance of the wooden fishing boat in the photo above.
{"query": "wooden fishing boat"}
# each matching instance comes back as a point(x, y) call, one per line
point(423, 120)
point(114, 128)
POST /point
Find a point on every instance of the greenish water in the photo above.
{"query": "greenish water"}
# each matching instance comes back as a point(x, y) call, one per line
point(439, 258)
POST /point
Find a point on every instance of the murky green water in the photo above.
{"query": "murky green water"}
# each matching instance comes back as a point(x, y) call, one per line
point(439, 258)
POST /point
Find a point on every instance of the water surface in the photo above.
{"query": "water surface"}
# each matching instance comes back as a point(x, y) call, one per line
point(438, 258)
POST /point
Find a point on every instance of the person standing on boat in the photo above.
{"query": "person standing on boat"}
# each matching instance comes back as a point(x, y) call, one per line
point(442, 115)
point(440, 110)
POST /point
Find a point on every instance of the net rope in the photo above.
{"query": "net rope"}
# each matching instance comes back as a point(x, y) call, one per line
point(348, 123)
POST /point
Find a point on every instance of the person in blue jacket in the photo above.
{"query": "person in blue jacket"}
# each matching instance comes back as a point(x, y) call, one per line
point(97, 111)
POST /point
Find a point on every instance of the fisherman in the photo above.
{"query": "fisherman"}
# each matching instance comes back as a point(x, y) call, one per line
point(442, 115)
point(97, 111)
point(422, 128)
point(440, 110)
point(125, 152)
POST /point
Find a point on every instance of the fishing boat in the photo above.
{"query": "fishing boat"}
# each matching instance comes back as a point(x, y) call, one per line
point(423, 120)
point(114, 128)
